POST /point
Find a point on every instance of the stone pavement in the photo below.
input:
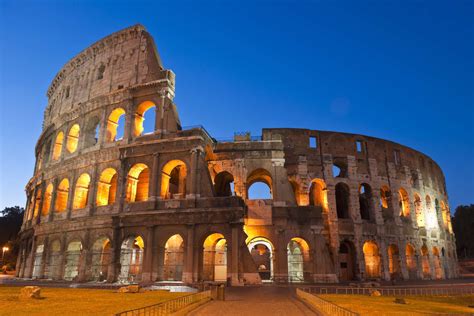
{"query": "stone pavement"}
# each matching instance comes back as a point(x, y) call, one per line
point(260, 301)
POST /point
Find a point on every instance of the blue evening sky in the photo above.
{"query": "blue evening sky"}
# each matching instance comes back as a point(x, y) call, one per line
point(399, 70)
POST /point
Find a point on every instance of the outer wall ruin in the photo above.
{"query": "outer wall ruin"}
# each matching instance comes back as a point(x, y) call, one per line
point(112, 201)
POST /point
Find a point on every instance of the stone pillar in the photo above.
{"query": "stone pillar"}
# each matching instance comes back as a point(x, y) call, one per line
point(160, 109)
point(30, 260)
point(85, 260)
point(403, 260)
point(122, 185)
point(193, 189)
point(234, 266)
point(383, 252)
point(114, 265)
point(103, 128)
point(188, 275)
point(155, 176)
point(53, 200)
point(129, 122)
point(70, 196)
point(63, 257)
point(92, 196)
point(44, 257)
point(148, 259)
point(280, 266)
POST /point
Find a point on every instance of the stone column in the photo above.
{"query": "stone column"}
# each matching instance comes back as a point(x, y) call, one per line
point(234, 266)
point(280, 266)
point(383, 252)
point(44, 257)
point(62, 257)
point(53, 200)
point(92, 196)
point(155, 175)
point(188, 276)
point(85, 260)
point(114, 265)
point(148, 259)
point(122, 185)
point(103, 129)
point(30, 260)
point(160, 109)
point(194, 182)
point(402, 256)
point(70, 196)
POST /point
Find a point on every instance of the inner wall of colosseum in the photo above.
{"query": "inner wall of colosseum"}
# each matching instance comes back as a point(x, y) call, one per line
point(121, 192)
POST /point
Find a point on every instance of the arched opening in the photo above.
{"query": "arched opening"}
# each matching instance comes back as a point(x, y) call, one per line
point(425, 262)
point(38, 262)
point(58, 146)
point(318, 194)
point(372, 260)
point(259, 185)
point(48, 195)
point(173, 180)
point(73, 257)
point(173, 261)
point(54, 260)
point(215, 258)
point(261, 250)
point(37, 202)
point(138, 180)
point(346, 261)
point(73, 138)
point(431, 219)
point(445, 215)
point(145, 118)
point(299, 196)
point(385, 197)
point(224, 184)
point(403, 203)
point(365, 201)
point(62, 195)
point(91, 134)
point(115, 125)
point(298, 256)
point(342, 200)
point(438, 269)
point(100, 259)
point(107, 187)
point(131, 259)
point(394, 262)
point(81, 192)
point(420, 218)
point(411, 261)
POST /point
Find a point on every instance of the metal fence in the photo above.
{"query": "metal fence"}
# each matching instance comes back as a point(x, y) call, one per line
point(323, 306)
point(410, 291)
point(167, 307)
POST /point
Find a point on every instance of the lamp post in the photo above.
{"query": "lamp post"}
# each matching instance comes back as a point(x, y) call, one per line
point(4, 249)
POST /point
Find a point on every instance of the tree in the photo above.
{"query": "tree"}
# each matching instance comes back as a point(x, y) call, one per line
point(10, 225)
point(463, 226)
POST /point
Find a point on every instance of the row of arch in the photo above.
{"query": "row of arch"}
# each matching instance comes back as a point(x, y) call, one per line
point(52, 264)
point(143, 123)
point(373, 261)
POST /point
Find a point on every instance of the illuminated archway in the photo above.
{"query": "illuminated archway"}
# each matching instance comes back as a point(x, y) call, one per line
point(138, 180)
point(173, 180)
point(411, 261)
point(365, 201)
point(73, 138)
point(58, 146)
point(425, 262)
point(114, 124)
point(298, 258)
point(48, 195)
point(101, 252)
point(173, 261)
point(215, 258)
point(372, 260)
point(224, 184)
point(54, 260)
point(394, 262)
point(261, 250)
point(385, 197)
point(143, 109)
point(81, 192)
point(73, 256)
point(107, 187)
point(62, 195)
point(318, 194)
point(403, 203)
point(438, 269)
point(38, 262)
point(37, 202)
point(131, 259)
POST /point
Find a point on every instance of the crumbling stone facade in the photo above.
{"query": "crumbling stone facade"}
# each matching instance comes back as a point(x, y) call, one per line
point(110, 202)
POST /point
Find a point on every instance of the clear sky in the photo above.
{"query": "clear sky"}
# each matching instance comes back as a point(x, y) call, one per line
point(399, 70)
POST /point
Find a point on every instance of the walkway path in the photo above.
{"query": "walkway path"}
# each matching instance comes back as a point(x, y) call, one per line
point(259, 301)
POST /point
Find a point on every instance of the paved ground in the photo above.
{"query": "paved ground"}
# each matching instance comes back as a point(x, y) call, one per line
point(260, 301)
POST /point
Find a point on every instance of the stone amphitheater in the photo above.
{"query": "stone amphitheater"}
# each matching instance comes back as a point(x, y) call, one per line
point(113, 200)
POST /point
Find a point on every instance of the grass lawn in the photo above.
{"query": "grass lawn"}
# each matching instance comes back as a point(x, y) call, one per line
point(66, 302)
point(384, 305)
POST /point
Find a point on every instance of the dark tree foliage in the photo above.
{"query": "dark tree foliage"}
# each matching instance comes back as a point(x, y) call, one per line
point(463, 227)
point(10, 223)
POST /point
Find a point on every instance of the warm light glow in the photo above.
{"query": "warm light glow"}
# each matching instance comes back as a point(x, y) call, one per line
point(73, 138)
point(420, 217)
point(137, 183)
point(384, 196)
point(81, 192)
point(372, 259)
point(112, 124)
point(107, 187)
point(403, 202)
point(410, 257)
point(173, 180)
point(58, 146)
point(62, 195)
point(318, 194)
point(37, 202)
point(48, 194)
point(139, 116)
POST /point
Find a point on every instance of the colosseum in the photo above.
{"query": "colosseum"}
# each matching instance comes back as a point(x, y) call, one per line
point(113, 201)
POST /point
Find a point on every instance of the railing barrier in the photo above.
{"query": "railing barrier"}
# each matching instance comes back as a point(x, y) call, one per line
point(323, 306)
